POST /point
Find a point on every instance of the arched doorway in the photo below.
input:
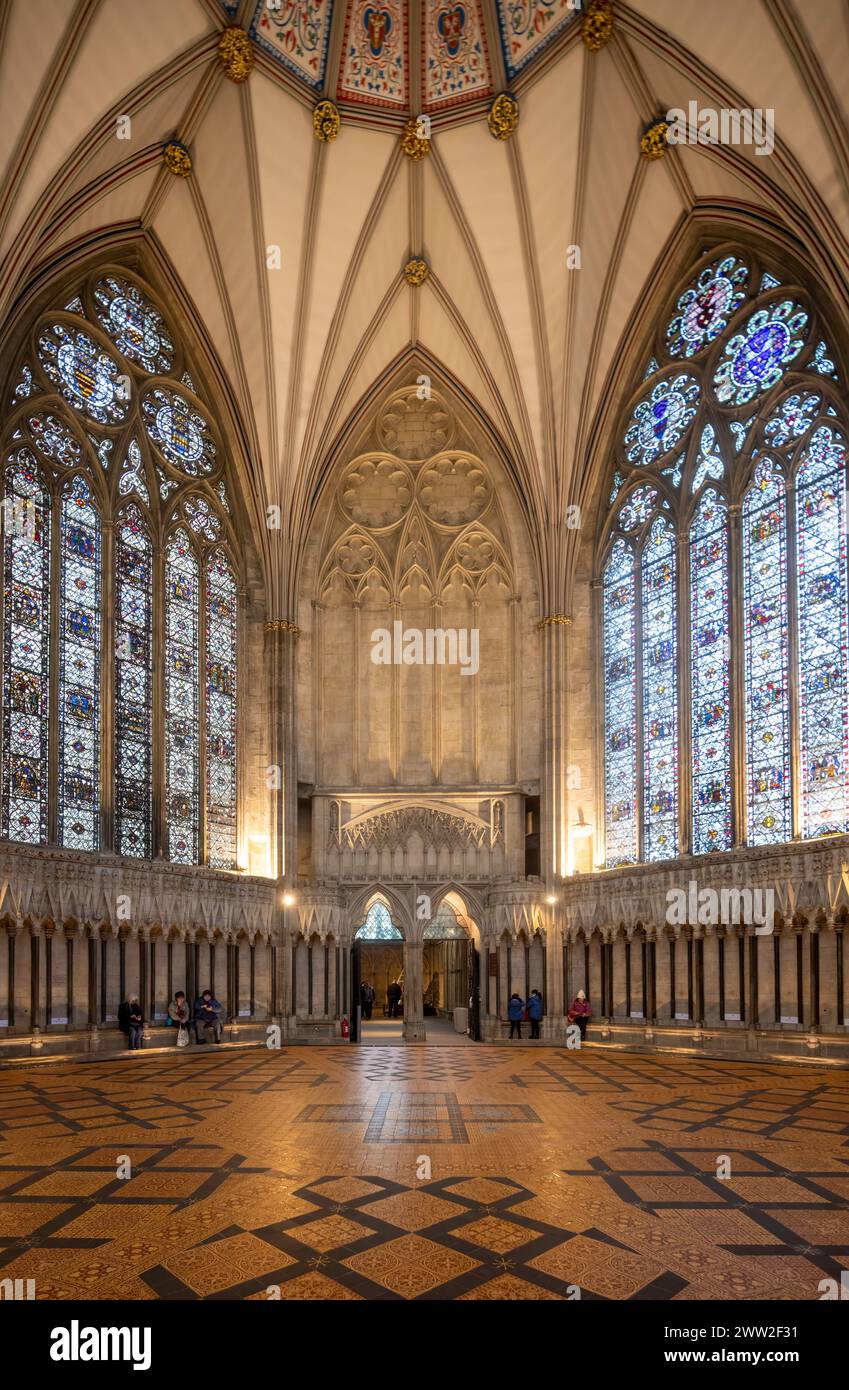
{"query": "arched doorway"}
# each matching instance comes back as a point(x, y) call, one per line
point(377, 978)
point(451, 975)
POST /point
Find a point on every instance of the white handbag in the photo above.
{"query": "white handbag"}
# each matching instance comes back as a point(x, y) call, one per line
point(182, 1036)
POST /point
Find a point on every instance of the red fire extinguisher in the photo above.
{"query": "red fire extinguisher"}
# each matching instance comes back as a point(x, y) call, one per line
point(345, 1028)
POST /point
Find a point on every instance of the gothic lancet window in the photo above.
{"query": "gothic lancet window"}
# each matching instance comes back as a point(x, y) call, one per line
point(121, 590)
point(727, 532)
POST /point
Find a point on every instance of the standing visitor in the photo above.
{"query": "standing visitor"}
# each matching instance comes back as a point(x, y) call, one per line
point(366, 998)
point(535, 1012)
point(515, 1013)
point(393, 999)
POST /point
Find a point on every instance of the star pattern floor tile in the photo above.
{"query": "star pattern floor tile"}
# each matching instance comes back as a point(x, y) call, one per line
point(423, 1173)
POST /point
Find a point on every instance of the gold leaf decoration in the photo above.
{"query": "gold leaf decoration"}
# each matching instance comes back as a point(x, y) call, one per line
point(177, 159)
point(236, 53)
point(503, 116)
point(326, 121)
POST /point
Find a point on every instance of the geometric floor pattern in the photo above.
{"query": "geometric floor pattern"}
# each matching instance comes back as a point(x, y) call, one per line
point(423, 1173)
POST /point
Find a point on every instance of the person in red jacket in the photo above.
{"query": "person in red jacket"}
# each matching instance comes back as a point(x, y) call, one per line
point(580, 1012)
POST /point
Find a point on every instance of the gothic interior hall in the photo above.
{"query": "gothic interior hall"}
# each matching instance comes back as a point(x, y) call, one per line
point(424, 648)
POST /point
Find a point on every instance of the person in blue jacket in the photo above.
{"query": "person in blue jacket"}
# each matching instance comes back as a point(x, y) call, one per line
point(515, 1013)
point(535, 1012)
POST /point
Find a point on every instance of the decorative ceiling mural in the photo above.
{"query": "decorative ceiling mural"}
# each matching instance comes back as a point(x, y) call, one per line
point(375, 54)
point(454, 56)
point(528, 25)
point(295, 32)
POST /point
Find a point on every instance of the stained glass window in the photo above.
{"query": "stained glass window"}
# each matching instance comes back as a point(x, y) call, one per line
point(26, 650)
point(706, 306)
point(182, 741)
point(744, 402)
point(660, 419)
point(637, 508)
point(378, 925)
point(133, 685)
point(660, 702)
point(765, 646)
point(445, 926)
point(86, 375)
point(221, 654)
point(179, 431)
point(756, 358)
point(710, 658)
point(822, 603)
point(134, 325)
point(620, 706)
point(61, 446)
point(79, 668)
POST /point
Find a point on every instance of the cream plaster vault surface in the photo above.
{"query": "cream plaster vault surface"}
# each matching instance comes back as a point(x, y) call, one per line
point(548, 1170)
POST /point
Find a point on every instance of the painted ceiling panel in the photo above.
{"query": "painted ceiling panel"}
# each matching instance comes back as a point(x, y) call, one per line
point(375, 54)
point(455, 61)
point(528, 26)
point(296, 35)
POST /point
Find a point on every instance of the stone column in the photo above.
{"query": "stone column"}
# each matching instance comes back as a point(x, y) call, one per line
point(711, 979)
point(665, 1007)
point(414, 1029)
point(682, 960)
point(766, 982)
point(787, 956)
point(828, 979)
point(618, 956)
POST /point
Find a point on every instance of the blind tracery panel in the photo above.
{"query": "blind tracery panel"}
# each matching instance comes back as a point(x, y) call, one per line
point(106, 433)
point(735, 441)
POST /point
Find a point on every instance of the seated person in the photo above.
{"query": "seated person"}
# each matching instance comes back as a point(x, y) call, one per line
point(208, 1013)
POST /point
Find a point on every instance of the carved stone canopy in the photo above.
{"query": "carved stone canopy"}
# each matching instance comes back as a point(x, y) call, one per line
point(389, 829)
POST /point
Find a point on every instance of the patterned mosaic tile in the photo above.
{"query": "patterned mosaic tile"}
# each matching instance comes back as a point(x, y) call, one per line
point(304, 1180)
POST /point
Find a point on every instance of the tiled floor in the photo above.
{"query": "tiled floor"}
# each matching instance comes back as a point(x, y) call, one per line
point(468, 1172)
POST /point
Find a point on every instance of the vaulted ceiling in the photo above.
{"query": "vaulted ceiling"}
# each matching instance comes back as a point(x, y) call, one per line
point(536, 344)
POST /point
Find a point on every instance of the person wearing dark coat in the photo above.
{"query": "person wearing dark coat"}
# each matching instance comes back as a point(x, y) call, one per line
point(515, 1013)
point(393, 999)
point(579, 1012)
point(130, 1021)
point(535, 1012)
point(208, 1013)
point(366, 998)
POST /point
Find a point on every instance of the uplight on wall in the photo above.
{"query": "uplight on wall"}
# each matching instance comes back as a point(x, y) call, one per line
point(258, 862)
point(289, 900)
point(580, 845)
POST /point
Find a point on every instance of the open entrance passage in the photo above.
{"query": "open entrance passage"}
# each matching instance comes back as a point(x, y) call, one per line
point(377, 979)
point(450, 976)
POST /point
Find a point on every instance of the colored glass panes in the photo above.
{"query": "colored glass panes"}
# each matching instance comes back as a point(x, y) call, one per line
point(53, 439)
point(660, 703)
point(221, 629)
point(620, 706)
point(87, 377)
point(637, 509)
point(703, 310)
point(708, 464)
point(133, 685)
point(710, 656)
point(822, 605)
point(26, 650)
point(765, 648)
point(755, 359)
point(378, 925)
point(135, 327)
point(79, 668)
point(793, 418)
point(182, 744)
point(660, 419)
point(179, 431)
